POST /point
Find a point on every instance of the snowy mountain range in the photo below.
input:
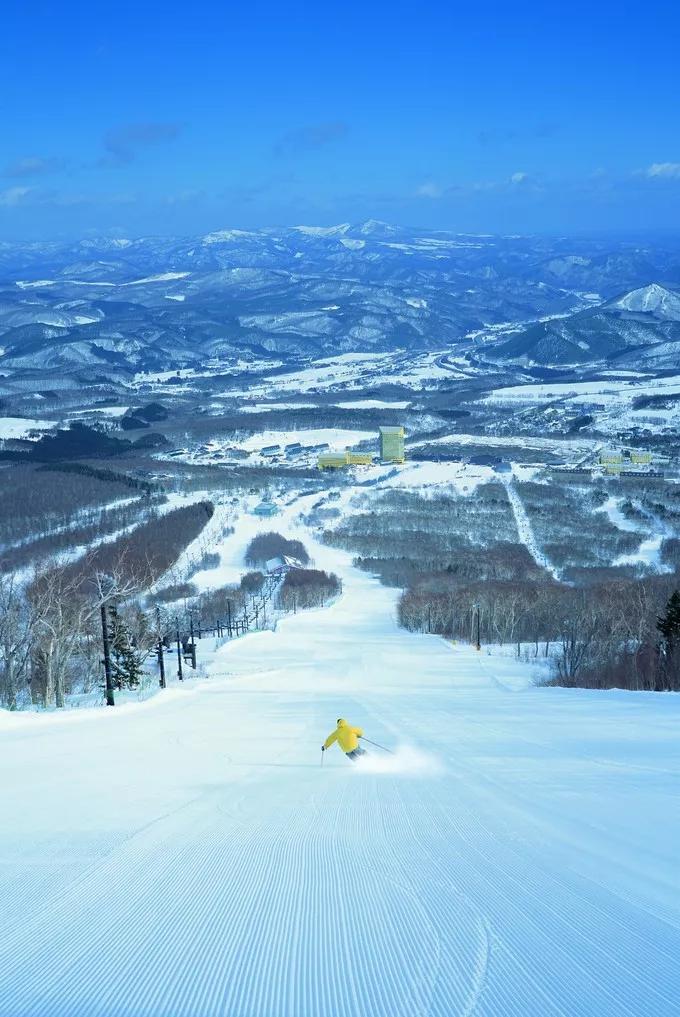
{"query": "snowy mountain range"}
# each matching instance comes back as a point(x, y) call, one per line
point(118, 306)
point(639, 328)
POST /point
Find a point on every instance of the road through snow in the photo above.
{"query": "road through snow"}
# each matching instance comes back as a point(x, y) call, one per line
point(189, 856)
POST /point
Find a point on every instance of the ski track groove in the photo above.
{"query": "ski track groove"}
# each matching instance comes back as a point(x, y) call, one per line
point(515, 868)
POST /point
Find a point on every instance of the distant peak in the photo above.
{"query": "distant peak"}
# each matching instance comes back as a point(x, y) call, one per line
point(324, 231)
point(225, 236)
point(652, 299)
point(376, 227)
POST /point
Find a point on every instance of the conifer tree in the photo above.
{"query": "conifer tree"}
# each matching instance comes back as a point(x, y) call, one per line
point(126, 658)
point(669, 624)
point(669, 650)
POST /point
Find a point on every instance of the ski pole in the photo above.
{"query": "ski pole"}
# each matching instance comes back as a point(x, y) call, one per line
point(322, 755)
point(391, 752)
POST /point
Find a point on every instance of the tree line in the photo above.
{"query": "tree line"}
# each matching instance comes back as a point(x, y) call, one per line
point(623, 634)
point(50, 626)
point(266, 546)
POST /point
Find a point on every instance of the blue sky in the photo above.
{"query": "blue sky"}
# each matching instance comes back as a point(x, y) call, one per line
point(160, 118)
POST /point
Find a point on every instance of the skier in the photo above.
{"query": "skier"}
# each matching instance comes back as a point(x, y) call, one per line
point(347, 738)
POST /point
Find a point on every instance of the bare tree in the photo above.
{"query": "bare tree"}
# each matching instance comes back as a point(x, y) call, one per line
point(17, 623)
point(66, 605)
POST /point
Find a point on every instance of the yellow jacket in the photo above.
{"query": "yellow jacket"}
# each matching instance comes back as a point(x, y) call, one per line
point(345, 735)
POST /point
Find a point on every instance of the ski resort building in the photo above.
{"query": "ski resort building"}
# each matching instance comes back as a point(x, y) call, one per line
point(280, 566)
point(266, 509)
point(392, 444)
point(332, 461)
point(336, 460)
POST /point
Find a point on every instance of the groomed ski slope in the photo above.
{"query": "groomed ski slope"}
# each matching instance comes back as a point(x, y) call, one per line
point(189, 856)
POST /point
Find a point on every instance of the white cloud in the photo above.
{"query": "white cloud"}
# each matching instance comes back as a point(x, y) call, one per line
point(14, 196)
point(519, 178)
point(429, 190)
point(32, 165)
point(666, 170)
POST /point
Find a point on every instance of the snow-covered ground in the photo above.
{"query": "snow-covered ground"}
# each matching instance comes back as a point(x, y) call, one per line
point(102, 411)
point(373, 404)
point(460, 477)
point(350, 372)
point(19, 427)
point(272, 407)
point(611, 402)
point(532, 443)
point(336, 438)
point(189, 857)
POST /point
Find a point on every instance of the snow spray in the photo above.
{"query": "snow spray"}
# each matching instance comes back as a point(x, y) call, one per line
point(405, 761)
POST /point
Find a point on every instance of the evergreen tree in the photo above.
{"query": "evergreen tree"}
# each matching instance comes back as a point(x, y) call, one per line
point(669, 625)
point(126, 658)
point(669, 650)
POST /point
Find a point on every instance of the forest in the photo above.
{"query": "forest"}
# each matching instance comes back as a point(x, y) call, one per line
point(600, 625)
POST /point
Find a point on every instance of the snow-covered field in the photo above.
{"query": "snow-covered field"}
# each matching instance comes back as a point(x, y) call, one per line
point(373, 404)
point(580, 391)
point(336, 438)
point(532, 443)
point(350, 372)
point(189, 857)
point(610, 401)
point(101, 411)
point(459, 477)
point(273, 407)
point(19, 427)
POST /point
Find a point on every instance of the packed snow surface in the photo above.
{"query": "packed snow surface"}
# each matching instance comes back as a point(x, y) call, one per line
point(190, 857)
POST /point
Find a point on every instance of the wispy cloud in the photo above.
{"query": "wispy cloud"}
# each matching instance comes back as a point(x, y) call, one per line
point(14, 196)
point(517, 179)
point(663, 171)
point(31, 166)
point(429, 189)
point(49, 198)
point(124, 143)
point(433, 191)
point(305, 139)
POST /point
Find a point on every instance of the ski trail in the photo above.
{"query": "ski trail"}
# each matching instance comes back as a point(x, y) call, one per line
point(193, 859)
point(649, 551)
point(525, 529)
